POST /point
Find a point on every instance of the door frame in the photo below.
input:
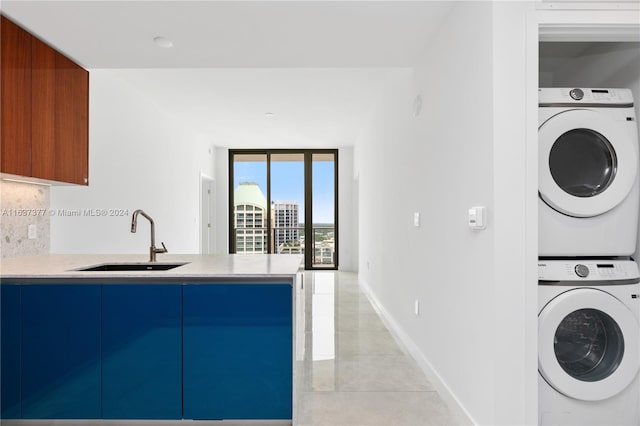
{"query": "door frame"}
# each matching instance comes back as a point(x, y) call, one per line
point(541, 21)
point(209, 183)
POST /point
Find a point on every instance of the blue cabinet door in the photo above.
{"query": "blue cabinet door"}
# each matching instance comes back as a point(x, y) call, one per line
point(237, 343)
point(142, 351)
point(60, 351)
point(10, 351)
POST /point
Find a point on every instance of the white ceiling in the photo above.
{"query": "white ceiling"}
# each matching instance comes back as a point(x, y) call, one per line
point(210, 34)
point(319, 66)
point(312, 108)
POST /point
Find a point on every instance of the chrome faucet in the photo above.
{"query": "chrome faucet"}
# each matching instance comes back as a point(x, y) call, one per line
point(153, 250)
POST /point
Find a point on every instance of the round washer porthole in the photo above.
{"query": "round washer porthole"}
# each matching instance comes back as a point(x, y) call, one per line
point(587, 162)
point(588, 345)
point(583, 163)
point(586, 368)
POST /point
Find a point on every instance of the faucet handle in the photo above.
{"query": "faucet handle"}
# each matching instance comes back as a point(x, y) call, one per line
point(163, 249)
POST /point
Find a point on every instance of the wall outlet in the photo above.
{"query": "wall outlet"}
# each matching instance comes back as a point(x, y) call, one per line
point(416, 307)
point(368, 265)
point(32, 231)
point(416, 219)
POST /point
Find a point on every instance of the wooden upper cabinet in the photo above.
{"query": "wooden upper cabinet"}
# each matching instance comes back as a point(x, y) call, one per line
point(47, 134)
point(16, 99)
point(72, 122)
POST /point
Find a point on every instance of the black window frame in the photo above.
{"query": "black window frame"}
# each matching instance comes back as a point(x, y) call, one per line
point(308, 198)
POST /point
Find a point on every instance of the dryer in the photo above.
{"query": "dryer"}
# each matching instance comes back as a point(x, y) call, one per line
point(588, 342)
point(587, 173)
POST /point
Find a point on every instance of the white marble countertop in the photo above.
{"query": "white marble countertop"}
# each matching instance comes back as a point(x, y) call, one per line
point(62, 266)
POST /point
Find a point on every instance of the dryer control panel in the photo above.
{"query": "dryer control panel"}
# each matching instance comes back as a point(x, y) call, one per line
point(551, 97)
point(587, 270)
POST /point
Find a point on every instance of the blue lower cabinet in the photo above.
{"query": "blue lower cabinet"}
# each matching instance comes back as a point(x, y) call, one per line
point(10, 351)
point(237, 349)
point(60, 351)
point(142, 351)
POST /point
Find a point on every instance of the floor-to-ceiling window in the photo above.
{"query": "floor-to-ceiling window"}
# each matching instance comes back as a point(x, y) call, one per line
point(285, 201)
point(323, 232)
point(249, 208)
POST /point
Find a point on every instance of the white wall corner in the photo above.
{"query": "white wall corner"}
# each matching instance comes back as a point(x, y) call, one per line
point(514, 215)
point(346, 219)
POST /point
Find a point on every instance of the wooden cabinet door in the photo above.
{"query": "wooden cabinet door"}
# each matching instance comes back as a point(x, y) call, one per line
point(15, 157)
point(43, 120)
point(72, 122)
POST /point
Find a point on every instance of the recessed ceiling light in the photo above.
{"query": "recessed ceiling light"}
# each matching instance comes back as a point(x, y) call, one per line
point(269, 114)
point(163, 42)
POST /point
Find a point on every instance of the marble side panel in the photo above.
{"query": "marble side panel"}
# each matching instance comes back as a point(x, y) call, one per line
point(21, 205)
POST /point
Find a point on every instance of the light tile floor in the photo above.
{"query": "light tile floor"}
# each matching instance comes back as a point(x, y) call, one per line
point(349, 368)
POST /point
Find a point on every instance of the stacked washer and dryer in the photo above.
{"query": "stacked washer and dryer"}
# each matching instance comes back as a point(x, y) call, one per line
point(589, 284)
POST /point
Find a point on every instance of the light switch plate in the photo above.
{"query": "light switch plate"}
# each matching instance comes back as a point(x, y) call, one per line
point(416, 219)
point(477, 217)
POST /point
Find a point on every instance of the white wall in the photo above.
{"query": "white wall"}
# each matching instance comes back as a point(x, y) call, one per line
point(612, 64)
point(467, 147)
point(139, 158)
point(438, 164)
point(346, 201)
point(515, 192)
point(222, 205)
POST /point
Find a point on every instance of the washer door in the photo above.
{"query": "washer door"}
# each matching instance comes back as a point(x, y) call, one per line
point(588, 344)
point(587, 162)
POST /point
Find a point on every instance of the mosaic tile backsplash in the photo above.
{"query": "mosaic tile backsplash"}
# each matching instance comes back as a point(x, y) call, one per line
point(21, 205)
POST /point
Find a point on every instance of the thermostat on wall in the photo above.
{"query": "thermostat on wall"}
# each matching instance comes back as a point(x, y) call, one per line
point(477, 218)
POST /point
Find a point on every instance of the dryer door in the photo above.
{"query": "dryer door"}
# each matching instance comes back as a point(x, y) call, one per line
point(587, 162)
point(588, 344)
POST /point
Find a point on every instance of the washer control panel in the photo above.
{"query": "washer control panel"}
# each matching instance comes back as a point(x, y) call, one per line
point(587, 270)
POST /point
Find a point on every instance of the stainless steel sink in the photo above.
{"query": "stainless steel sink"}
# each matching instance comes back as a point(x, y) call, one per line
point(132, 267)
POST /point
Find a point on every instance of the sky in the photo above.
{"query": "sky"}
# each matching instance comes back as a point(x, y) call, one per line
point(287, 184)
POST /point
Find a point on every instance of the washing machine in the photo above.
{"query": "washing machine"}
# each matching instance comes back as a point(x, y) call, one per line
point(588, 172)
point(588, 342)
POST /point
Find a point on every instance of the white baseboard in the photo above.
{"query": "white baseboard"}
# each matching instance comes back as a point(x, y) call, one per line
point(457, 409)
